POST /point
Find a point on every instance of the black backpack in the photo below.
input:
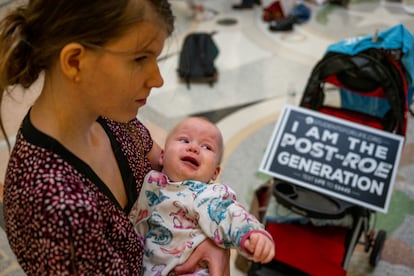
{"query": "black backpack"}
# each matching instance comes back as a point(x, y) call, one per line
point(197, 56)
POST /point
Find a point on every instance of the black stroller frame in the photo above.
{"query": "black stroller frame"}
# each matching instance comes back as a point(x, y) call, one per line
point(352, 74)
point(330, 208)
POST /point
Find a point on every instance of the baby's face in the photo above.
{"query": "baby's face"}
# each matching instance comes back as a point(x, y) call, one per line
point(193, 151)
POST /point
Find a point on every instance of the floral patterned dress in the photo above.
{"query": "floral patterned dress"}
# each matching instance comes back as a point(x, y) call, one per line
point(61, 219)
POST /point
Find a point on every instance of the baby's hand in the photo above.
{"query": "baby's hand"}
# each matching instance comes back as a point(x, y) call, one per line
point(261, 247)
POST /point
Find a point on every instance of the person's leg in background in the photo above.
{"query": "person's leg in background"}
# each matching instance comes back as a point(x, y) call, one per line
point(196, 7)
point(200, 13)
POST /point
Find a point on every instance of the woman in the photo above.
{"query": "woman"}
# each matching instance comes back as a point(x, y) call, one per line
point(80, 154)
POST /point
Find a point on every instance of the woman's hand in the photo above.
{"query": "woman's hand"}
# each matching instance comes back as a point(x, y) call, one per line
point(216, 258)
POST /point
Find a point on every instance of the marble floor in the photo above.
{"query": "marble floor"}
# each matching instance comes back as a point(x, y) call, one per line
point(259, 72)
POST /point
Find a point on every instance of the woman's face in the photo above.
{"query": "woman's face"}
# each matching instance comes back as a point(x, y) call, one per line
point(120, 76)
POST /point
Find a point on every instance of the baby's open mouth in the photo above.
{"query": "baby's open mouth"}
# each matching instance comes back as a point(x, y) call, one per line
point(191, 160)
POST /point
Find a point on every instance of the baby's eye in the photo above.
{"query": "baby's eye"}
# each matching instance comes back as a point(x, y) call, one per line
point(207, 147)
point(185, 141)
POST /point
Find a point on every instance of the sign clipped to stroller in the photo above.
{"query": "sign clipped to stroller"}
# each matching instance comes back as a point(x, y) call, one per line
point(333, 156)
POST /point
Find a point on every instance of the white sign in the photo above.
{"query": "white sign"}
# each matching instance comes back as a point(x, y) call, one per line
point(349, 161)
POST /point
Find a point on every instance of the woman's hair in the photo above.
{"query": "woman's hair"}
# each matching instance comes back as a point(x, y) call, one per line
point(33, 34)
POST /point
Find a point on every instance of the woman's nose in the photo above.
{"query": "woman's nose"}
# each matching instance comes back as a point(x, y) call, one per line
point(156, 79)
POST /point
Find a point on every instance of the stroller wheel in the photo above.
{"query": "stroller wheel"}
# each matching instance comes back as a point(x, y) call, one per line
point(377, 248)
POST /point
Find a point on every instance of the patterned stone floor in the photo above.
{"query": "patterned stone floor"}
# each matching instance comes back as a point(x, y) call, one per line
point(258, 69)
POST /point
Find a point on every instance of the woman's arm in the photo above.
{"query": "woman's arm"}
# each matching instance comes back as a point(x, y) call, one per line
point(142, 137)
point(154, 156)
point(216, 258)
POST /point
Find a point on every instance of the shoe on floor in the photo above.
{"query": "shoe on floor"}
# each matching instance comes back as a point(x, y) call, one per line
point(284, 24)
point(301, 12)
point(247, 4)
point(242, 6)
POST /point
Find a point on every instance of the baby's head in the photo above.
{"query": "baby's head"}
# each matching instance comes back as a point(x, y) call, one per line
point(193, 151)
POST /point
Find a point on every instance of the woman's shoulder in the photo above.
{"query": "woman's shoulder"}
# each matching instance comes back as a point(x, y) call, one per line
point(133, 130)
point(119, 128)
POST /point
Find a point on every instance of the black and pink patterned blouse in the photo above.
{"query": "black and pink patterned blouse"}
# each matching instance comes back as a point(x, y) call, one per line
point(60, 217)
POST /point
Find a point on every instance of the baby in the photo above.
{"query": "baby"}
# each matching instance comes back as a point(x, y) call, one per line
point(179, 207)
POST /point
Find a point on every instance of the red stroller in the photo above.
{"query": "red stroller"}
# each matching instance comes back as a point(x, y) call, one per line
point(373, 77)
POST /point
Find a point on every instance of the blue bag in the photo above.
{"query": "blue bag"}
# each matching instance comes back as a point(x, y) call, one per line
point(392, 39)
point(374, 75)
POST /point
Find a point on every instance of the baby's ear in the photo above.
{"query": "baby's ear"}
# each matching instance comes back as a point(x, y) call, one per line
point(216, 173)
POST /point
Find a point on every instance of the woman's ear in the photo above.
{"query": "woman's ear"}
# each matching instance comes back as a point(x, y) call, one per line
point(70, 60)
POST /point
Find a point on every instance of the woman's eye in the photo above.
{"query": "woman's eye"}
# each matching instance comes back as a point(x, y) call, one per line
point(139, 59)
